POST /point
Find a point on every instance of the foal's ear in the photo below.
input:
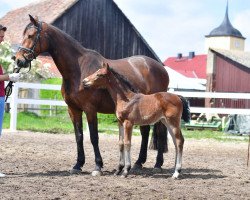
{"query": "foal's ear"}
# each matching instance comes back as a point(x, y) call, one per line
point(103, 64)
point(34, 20)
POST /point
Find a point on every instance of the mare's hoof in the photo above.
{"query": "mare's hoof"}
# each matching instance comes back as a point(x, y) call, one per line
point(157, 170)
point(75, 171)
point(136, 167)
point(96, 173)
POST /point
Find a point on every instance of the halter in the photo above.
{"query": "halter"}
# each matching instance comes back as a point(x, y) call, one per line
point(31, 51)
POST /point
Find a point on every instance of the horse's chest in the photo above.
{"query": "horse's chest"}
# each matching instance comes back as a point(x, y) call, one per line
point(72, 99)
point(126, 112)
point(121, 115)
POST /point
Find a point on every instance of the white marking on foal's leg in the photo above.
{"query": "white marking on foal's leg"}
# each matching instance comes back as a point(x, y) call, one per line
point(121, 151)
point(178, 165)
point(178, 155)
point(127, 167)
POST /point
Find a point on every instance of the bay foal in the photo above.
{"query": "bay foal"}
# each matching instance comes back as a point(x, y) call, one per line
point(134, 108)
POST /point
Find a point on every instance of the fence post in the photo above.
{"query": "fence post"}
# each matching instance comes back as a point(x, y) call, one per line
point(13, 107)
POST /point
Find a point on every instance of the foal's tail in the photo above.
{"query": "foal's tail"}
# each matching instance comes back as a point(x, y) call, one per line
point(186, 110)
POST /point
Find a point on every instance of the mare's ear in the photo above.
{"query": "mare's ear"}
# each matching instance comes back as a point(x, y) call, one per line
point(34, 20)
point(106, 68)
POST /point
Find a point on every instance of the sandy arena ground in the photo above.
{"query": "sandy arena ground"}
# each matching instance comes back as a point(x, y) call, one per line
point(37, 167)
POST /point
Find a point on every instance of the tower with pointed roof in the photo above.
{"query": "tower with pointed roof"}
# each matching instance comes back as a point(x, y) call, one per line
point(225, 36)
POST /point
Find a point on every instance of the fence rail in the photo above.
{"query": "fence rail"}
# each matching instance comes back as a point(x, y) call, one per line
point(14, 100)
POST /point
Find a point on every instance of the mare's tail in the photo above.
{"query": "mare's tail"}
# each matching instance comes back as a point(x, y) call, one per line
point(186, 110)
point(159, 137)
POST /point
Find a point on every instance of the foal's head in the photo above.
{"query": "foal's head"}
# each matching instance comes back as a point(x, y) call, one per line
point(99, 79)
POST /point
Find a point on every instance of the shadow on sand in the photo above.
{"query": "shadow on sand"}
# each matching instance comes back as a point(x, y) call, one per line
point(187, 173)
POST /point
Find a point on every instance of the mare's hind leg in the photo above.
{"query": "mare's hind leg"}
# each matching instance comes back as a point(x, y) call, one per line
point(94, 138)
point(121, 151)
point(161, 130)
point(76, 117)
point(144, 147)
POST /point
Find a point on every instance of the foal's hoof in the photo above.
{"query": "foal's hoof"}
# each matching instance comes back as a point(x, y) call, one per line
point(175, 175)
point(96, 173)
point(124, 175)
point(157, 170)
point(75, 171)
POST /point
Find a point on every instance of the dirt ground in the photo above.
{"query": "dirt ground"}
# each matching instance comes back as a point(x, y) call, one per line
point(37, 167)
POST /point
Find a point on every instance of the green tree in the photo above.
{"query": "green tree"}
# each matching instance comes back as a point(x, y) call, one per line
point(6, 53)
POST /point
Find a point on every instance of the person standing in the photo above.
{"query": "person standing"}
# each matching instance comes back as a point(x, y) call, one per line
point(4, 77)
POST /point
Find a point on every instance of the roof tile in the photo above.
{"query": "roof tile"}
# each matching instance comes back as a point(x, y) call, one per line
point(46, 10)
point(192, 68)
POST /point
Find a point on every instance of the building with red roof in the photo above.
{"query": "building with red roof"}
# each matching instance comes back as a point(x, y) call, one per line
point(191, 66)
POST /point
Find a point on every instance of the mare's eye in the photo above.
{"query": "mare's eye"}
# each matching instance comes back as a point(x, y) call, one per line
point(29, 36)
point(100, 75)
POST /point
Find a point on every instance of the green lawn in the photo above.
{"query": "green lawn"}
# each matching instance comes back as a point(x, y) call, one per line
point(107, 124)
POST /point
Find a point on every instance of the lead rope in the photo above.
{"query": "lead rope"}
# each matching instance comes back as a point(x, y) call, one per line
point(8, 88)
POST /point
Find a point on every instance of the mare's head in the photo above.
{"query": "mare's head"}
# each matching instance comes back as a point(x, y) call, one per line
point(99, 79)
point(34, 42)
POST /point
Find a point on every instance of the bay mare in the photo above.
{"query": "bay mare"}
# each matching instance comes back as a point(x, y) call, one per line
point(75, 63)
point(134, 108)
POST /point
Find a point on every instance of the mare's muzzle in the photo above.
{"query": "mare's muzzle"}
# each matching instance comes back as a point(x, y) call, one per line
point(22, 63)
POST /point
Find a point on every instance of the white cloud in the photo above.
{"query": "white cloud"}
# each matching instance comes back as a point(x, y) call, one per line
point(176, 26)
point(241, 22)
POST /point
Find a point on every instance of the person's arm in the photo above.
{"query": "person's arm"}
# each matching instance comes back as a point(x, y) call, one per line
point(4, 77)
point(14, 77)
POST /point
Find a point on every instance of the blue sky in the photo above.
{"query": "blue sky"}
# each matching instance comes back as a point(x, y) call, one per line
point(178, 26)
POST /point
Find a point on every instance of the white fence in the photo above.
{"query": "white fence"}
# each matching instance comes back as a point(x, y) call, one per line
point(14, 101)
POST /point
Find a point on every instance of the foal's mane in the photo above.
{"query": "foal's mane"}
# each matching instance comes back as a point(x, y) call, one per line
point(123, 80)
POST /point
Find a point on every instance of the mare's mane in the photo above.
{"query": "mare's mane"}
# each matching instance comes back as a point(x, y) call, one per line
point(64, 34)
point(123, 80)
point(27, 27)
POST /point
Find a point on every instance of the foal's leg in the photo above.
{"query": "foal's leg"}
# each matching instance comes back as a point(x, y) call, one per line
point(144, 147)
point(76, 118)
point(93, 131)
point(178, 140)
point(128, 127)
point(121, 150)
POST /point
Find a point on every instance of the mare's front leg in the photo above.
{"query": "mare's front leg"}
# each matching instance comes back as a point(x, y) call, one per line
point(144, 147)
point(76, 117)
point(128, 127)
point(121, 150)
point(93, 131)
